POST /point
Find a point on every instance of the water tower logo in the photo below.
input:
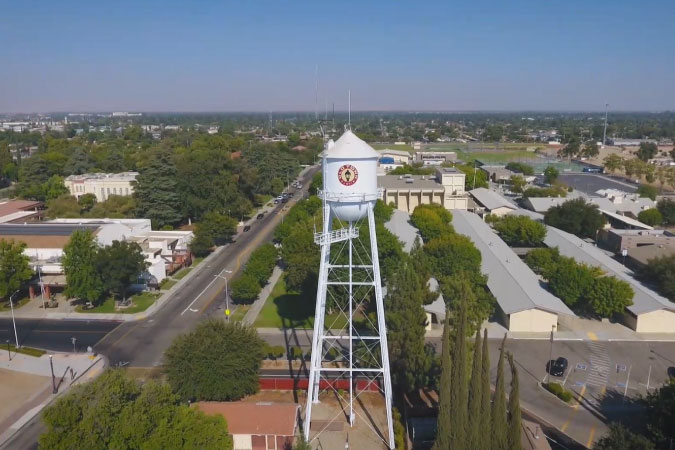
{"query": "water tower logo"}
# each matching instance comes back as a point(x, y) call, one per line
point(348, 174)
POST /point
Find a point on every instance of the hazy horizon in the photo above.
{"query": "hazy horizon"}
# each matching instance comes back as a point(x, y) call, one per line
point(524, 56)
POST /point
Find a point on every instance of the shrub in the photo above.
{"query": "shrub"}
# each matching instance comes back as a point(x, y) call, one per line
point(559, 391)
point(296, 353)
point(245, 289)
point(651, 216)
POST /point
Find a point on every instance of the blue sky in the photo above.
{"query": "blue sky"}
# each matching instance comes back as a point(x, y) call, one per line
point(261, 55)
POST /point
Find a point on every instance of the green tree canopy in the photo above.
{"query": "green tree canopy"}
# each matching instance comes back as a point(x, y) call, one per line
point(661, 273)
point(121, 264)
point(651, 216)
point(406, 322)
point(647, 151)
point(666, 207)
point(80, 256)
point(520, 231)
point(156, 191)
point(620, 438)
point(14, 267)
point(113, 411)
point(451, 254)
point(517, 183)
point(523, 168)
point(577, 217)
point(551, 174)
point(217, 361)
point(613, 162)
point(645, 190)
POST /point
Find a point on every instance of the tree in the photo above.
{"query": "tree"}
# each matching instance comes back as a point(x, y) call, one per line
point(54, 187)
point(576, 217)
point(156, 191)
point(666, 207)
point(65, 206)
point(543, 260)
point(613, 162)
point(551, 174)
point(523, 168)
point(245, 289)
point(474, 178)
point(647, 151)
point(660, 412)
point(121, 264)
point(406, 321)
point(661, 272)
point(499, 425)
point(14, 267)
point(219, 227)
point(431, 221)
point(609, 295)
point(218, 361)
point(201, 243)
point(514, 408)
point(517, 183)
point(451, 254)
point(570, 281)
point(115, 206)
point(80, 256)
point(261, 263)
point(520, 231)
point(445, 411)
point(645, 190)
point(474, 438)
point(485, 393)
point(651, 216)
point(590, 149)
point(478, 305)
point(459, 395)
point(87, 201)
point(114, 411)
point(620, 438)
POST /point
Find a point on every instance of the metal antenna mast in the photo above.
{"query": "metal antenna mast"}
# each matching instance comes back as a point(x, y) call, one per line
point(604, 133)
point(349, 110)
point(316, 95)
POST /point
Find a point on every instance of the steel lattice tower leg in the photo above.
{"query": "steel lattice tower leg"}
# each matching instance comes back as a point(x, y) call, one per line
point(321, 338)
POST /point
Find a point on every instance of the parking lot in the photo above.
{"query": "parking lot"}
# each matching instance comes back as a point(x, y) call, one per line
point(605, 377)
point(590, 183)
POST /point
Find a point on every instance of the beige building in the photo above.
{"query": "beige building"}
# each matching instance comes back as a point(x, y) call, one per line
point(406, 192)
point(399, 156)
point(488, 201)
point(618, 239)
point(435, 158)
point(102, 185)
point(524, 305)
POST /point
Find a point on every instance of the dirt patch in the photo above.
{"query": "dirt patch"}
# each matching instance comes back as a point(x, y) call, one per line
point(17, 388)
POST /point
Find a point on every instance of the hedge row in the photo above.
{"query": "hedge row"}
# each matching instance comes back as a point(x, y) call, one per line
point(246, 288)
point(559, 391)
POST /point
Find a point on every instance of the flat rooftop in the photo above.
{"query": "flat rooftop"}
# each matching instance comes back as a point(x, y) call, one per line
point(407, 182)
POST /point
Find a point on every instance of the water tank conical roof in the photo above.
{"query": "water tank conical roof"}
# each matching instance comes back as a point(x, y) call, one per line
point(351, 146)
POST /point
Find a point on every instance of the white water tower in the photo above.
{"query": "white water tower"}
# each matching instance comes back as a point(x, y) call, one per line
point(349, 279)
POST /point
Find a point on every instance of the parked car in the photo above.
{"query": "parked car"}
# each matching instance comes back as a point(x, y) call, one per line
point(671, 371)
point(557, 367)
point(260, 216)
point(246, 228)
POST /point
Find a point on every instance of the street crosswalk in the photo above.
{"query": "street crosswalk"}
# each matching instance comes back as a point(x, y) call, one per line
point(598, 375)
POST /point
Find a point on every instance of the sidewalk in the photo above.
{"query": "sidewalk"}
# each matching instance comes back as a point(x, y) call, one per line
point(257, 305)
point(84, 368)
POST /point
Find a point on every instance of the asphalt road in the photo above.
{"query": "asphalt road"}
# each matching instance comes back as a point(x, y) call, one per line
point(55, 335)
point(142, 343)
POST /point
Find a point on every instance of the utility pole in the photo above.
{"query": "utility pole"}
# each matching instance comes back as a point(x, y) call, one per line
point(11, 305)
point(51, 364)
point(550, 355)
point(604, 133)
point(73, 339)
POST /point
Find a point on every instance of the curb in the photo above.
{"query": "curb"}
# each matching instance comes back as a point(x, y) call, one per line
point(28, 417)
point(539, 384)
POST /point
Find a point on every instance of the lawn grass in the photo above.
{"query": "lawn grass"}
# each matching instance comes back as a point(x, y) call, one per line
point(167, 284)
point(25, 350)
point(139, 302)
point(17, 304)
point(289, 309)
point(239, 313)
point(501, 157)
point(196, 261)
point(182, 272)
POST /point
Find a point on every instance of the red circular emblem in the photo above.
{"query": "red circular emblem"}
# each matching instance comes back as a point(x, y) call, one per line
point(348, 174)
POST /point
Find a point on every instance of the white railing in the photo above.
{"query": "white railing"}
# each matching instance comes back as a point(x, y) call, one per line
point(339, 235)
point(348, 197)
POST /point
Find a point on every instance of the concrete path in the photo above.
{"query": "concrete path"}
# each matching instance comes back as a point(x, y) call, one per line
point(257, 305)
point(84, 368)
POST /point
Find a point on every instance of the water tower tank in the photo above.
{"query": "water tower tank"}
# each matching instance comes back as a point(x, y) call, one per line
point(350, 176)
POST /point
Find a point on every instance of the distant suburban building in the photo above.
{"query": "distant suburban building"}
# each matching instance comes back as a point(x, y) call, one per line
point(253, 426)
point(638, 257)
point(20, 211)
point(406, 192)
point(399, 156)
point(498, 174)
point(525, 306)
point(164, 251)
point(488, 201)
point(619, 142)
point(102, 185)
point(617, 239)
point(435, 158)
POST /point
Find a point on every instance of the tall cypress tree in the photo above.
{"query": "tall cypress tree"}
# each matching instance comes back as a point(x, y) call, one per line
point(156, 191)
point(514, 408)
point(458, 427)
point(444, 407)
point(500, 439)
point(475, 398)
point(485, 393)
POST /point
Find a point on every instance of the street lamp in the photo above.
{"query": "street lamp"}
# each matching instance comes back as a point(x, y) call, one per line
point(11, 305)
point(73, 339)
point(550, 354)
point(227, 296)
point(51, 364)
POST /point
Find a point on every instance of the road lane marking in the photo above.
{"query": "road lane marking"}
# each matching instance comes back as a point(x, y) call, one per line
point(199, 295)
point(565, 425)
point(580, 397)
point(590, 437)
